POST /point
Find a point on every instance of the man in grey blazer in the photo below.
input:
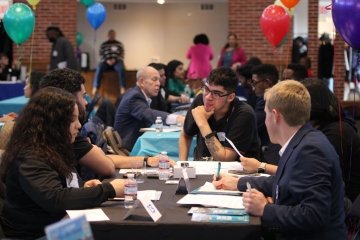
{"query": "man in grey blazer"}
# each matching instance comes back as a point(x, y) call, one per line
point(307, 191)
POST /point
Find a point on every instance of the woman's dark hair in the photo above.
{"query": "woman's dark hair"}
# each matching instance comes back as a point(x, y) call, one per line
point(35, 79)
point(231, 34)
point(201, 38)
point(171, 67)
point(324, 105)
point(42, 132)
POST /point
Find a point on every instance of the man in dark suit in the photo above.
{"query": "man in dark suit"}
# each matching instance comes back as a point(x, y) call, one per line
point(134, 110)
point(307, 190)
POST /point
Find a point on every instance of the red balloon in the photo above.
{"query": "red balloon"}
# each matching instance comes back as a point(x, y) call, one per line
point(275, 23)
point(290, 3)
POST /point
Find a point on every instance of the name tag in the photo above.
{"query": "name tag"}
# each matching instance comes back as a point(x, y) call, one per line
point(221, 136)
point(73, 182)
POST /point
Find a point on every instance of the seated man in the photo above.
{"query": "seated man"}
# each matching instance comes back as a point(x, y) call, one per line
point(134, 110)
point(307, 189)
point(217, 113)
point(87, 154)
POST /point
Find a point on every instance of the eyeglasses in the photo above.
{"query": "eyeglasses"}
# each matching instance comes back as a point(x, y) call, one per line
point(215, 94)
point(254, 83)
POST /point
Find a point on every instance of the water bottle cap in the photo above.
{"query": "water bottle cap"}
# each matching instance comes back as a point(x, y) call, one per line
point(164, 153)
point(130, 175)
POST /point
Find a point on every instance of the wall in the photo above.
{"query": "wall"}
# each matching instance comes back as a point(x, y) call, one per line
point(48, 12)
point(153, 32)
point(243, 18)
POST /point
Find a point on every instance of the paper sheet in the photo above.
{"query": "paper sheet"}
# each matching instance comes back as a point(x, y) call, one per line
point(223, 201)
point(210, 167)
point(92, 215)
point(209, 188)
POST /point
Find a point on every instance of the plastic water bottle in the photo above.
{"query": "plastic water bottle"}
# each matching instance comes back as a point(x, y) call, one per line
point(187, 91)
point(130, 191)
point(159, 124)
point(164, 166)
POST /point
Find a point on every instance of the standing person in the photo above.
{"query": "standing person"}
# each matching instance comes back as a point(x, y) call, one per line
point(217, 113)
point(112, 58)
point(326, 58)
point(200, 55)
point(62, 51)
point(39, 174)
point(307, 189)
point(232, 55)
point(134, 110)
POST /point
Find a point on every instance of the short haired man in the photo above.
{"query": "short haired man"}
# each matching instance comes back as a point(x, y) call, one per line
point(112, 57)
point(134, 110)
point(87, 154)
point(307, 190)
point(264, 76)
point(217, 113)
point(62, 51)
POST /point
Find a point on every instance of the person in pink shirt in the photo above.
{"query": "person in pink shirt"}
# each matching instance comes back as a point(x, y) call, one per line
point(200, 55)
point(232, 55)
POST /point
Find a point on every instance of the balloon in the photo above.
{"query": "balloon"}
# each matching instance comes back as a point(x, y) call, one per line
point(87, 3)
point(283, 41)
point(19, 22)
point(79, 38)
point(290, 3)
point(346, 17)
point(275, 23)
point(96, 15)
point(33, 3)
point(290, 11)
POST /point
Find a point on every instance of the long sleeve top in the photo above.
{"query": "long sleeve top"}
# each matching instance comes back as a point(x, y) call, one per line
point(37, 195)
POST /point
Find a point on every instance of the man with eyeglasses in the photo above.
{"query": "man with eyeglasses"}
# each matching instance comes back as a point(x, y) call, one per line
point(264, 77)
point(216, 114)
point(134, 110)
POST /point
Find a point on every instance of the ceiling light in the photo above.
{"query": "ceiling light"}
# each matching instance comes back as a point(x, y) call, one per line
point(160, 1)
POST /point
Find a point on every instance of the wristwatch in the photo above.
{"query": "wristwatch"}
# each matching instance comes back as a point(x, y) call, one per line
point(261, 168)
point(210, 135)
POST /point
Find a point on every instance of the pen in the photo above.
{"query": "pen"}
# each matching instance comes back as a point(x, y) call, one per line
point(218, 171)
point(248, 187)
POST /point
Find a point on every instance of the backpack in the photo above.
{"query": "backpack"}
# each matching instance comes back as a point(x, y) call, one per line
point(93, 129)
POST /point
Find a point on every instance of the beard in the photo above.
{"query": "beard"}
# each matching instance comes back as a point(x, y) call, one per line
point(82, 115)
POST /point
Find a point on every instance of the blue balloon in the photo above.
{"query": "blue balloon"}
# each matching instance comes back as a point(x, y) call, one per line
point(346, 16)
point(96, 15)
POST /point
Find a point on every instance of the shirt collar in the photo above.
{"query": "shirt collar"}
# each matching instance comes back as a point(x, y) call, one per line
point(282, 150)
point(146, 97)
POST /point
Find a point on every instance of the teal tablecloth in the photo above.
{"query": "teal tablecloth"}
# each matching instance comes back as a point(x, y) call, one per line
point(13, 105)
point(152, 143)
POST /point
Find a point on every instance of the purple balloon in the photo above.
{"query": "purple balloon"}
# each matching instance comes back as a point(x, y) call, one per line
point(96, 15)
point(346, 17)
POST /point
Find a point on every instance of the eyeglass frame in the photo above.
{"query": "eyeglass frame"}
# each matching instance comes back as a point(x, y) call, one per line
point(215, 94)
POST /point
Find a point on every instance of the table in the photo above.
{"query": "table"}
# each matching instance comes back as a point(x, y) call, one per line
point(13, 104)
point(174, 224)
point(11, 89)
point(151, 143)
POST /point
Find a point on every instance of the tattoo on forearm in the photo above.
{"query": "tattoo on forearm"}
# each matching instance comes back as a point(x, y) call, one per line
point(211, 144)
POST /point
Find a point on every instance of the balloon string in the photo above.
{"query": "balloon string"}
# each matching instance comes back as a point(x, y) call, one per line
point(31, 51)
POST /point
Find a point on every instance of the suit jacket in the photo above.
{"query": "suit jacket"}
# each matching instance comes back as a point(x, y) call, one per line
point(307, 190)
point(132, 114)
